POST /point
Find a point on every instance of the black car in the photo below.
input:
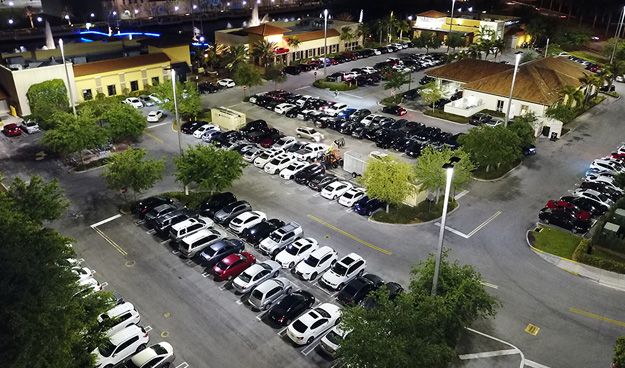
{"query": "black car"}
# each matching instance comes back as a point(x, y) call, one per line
point(320, 181)
point(359, 115)
point(164, 223)
point(479, 118)
point(358, 130)
point(394, 110)
point(305, 175)
point(207, 88)
point(412, 94)
point(292, 69)
point(147, 204)
point(253, 126)
point(414, 149)
point(296, 147)
point(565, 219)
point(357, 289)
point(191, 126)
point(260, 231)
point(425, 80)
point(346, 127)
point(220, 250)
point(585, 204)
point(610, 192)
point(293, 112)
point(366, 206)
point(215, 203)
point(392, 288)
point(440, 104)
point(290, 307)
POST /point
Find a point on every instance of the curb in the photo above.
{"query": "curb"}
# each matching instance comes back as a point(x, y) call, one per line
point(499, 178)
point(417, 224)
point(445, 120)
point(89, 170)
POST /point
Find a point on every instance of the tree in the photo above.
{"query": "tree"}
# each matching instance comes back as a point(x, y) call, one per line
point(293, 42)
point(454, 40)
point(346, 34)
point(486, 40)
point(608, 49)
point(47, 98)
point(131, 170)
point(235, 55)
point(614, 69)
point(124, 122)
point(263, 51)
point(275, 74)
point(571, 96)
point(388, 179)
point(593, 83)
point(571, 38)
point(395, 80)
point(427, 40)
point(212, 169)
point(523, 127)
point(560, 112)
point(537, 28)
point(431, 93)
point(491, 146)
point(498, 46)
point(187, 96)
point(44, 324)
point(424, 329)
point(39, 200)
point(404, 27)
point(74, 134)
point(429, 171)
point(619, 353)
point(247, 75)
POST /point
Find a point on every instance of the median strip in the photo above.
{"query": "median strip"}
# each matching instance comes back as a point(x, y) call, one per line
point(597, 317)
point(353, 237)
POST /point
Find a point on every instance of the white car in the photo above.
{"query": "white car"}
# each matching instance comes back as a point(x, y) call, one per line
point(603, 179)
point(134, 102)
point(369, 118)
point(310, 152)
point(29, 126)
point(159, 355)
point(294, 167)
point(334, 190)
point(254, 98)
point(493, 122)
point(594, 195)
point(305, 329)
point(117, 318)
point(368, 69)
point(199, 132)
point(228, 83)
point(252, 153)
point(377, 52)
point(246, 220)
point(343, 271)
point(302, 100)
point(317, 262)
point(309, 133)
point(283, 108)
point(620, 78)
point(336, 108)
point(296, 251)
point(155, 116)
point(303, 115)
point(278, 163)
point(254, 275)
point(156, 100)
point(608, 166)
point(331, 342)
point(264, 157)
point(120, 346)
point(284, 143)
point(351, 196)
point(87, 286)
point(83, 272)
point(191, 245)
point(269, 291)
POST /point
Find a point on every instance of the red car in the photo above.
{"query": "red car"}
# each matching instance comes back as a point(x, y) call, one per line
point(579, 214)
point(618, 156)
point(11, 130)
point(231, 266)
point(394, 110)
point(281, 50)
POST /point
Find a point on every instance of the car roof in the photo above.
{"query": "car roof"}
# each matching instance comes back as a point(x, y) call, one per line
point(183, 224)
point(119, 309)
point(199, 235)
point(350, 259)
point(124, 334)
point(320, 252)
point(148, 354)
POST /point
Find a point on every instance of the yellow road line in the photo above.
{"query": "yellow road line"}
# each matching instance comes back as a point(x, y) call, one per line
point(154, 137)
point(110, 241)
point(597, 317)
point(352, 237)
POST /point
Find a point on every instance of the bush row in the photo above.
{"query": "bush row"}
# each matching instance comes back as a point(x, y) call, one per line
point(581, 255)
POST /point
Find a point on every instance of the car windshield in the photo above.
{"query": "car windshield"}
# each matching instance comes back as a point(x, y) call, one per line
point(334, 338)
point(322, 312)
point(210, 251)
point(312, 261)
point(299, 326)
point(339, 269)
point(245, 277)
point(257, 294)
point(275, 237)
point(107, 348)
point(292, 250)
point(349, 195)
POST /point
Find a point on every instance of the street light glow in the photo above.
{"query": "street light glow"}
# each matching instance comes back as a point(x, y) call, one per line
point(10, 21)
point(176, 8)
point(39, 19)
point(194, 6)
point(114, 12)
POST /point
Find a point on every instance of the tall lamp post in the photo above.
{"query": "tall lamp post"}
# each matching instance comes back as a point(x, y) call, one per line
point(617, 34)
point(451, 23)
point(517, 60)
point(325, 41)
point(69, 85)
point(449, 170)
point(177, 120)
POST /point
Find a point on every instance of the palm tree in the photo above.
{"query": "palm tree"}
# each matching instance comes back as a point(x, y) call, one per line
point(498, 46)
point(293, 42)
point(404, 26)
point(363, 30)
point(572, 96)
point(379, 27)
point(614, 69)
point(592, 83)
point(264, 51)
point(346, 34)
point(235, 55)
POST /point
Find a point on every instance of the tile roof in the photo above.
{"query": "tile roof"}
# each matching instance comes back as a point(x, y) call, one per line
point(266, 30)
point(315, 35)
point(432, 14)
point(110, 65)
point(467, 70)
point(539, 81)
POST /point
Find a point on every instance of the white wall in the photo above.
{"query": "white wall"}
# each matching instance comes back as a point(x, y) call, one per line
point(490, 103)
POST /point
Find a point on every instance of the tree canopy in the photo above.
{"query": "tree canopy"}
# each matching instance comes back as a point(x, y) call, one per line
point(455, 40)
point(74, 134)
point(247, 75)
point(38, 200)
point(274, 73)
point(47, 98)
point(124, 122)
point(388, 179)
point(619, 353)
point(210, 168)
point(131, 170)
point(188, 98)
point(430, 174)
point(491, 146)
point(431, 93)
point(523, 127)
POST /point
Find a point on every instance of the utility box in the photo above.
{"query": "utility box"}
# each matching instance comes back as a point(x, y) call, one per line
point(227, 119)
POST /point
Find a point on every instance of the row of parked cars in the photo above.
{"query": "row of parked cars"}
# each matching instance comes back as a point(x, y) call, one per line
point(262, 282)
point(593, 197)
point(126, 343)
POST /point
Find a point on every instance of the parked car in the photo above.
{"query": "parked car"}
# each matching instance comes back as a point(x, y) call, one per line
point(254, 275)
point(227, 83)
point(564, 219)
point(120, 346)
point(185, 228)
point(305, 329)
point(316, 263)
point(147, 204)
point(366, 206)
point(280, 238)
point(292, 69)
point(147, 101)
point(246, 220)
point(394, 110)
point(283, 108)
point(264, 157)
point(597, 209)
point(215, 203)
point(11, 130)
point(163, 223)
point(159, 355)
point(294, 167)
point(284, 143)
point(155, 116)
point(309, 133)
point(191, 126)
point(392, 289)
point(207, 88)
point(594, 196)
point(290, 307)
point(296, 251)
point(219, 250)
point(357, 289)
point(267, 292)
point(157, 212)
point(349, 267)
point(192, 245)
point(117, 318)
point(203, 129)
point(318, 182)
point(349, 198)
point(29, 126)
point(278, 163)
point(310, 152)
point(232, 265)
point(331, 342)
point(232, 210)
point(304, 176)
point(335, 189)
point(134, 102)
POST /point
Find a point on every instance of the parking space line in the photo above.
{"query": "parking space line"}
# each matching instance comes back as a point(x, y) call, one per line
point(103, 285)
point(154, 137)
point(351, 95)
point(353, 237)
point(183, 365)
point(484, 223)
point(150, 232)
point(106, 220)
point(110, 241)
point(461, 194)
point(239, 302)
point(488, 354)
point(533, 364)
point(158, 125)
point(147, 328)
point(490, 285)
point(313, 345)
point(596, 316)
point(282, 332)
point(260, 315)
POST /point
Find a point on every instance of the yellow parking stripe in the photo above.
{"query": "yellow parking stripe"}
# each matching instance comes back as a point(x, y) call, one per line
point(597, 317)
point(110, 241)
point(154, 137)
point(352, 237)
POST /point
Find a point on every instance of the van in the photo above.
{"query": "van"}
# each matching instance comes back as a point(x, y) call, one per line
point(192, 244)
point(185, 228)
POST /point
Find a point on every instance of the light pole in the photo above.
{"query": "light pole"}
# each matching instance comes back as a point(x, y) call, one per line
point(451, 23)
point(517, 60)
point(547, 47)
point(69, 85)
point(616, 35)
point(176, 121)
point(325, 41)
point(449, 170)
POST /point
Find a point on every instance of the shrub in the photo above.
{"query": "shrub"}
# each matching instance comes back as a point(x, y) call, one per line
point(581, 255)
point(334, 86)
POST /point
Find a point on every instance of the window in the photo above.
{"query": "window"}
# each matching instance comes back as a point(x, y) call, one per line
point(524, 109)
point(112, 91)
point(134, 85)
point(87, 95)
point(155, 81)
point(126, 344)
point(500, 105)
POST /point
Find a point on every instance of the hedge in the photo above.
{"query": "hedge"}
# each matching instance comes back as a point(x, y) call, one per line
point(581, 255)
point(334, 86)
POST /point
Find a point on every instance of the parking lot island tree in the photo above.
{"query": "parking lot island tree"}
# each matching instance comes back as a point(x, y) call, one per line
point(431, 94)
point(212, 169)
point(45, 99)
point(248, 76)
point(491, 147)
point(395, 80)
point(189, 106)
point(39, 200)
point(44, 323)
point(424, 329)
point(429, 173)
point(389, 180)
point(124, 122)
point(455, 40)
point(275, 74)
point(523, 127)
point(131, 170)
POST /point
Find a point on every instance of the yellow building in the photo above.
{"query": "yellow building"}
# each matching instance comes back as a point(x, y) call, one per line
point(117, 76)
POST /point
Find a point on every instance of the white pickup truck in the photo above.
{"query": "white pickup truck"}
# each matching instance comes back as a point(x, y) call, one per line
point(310, 151)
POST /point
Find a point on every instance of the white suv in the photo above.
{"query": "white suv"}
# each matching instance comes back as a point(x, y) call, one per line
point(119, 317)
point(120, 346)
point(280, 238)
point(278, 163)
point(317, 262)
point(343, 271)
point(296, 251)
point(185, 228)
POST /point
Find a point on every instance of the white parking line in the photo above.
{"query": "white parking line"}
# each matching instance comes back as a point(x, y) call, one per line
point(282, 332)
point(461, 194)
point(105, 221)
point(239, 302)
point(174, 252)
point(301, 88)
point(140, 222)
point(351, 95)
point(103, 285)
point(222, 287)
point(205, 274)
point(474, 231)
point(183, 365)
point(260, 315)
point(331, 294)
point(533, 364)
point(490, 285)
point(488, 354)
point(158, 125)
point(147, 328)
point(307, 350)
point(150, 232)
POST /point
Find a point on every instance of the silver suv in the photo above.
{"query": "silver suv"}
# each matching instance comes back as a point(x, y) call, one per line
point(280, 238)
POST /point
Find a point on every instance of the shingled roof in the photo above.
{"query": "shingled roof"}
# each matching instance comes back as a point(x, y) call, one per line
point(110, 65)
point(266, 30)
point(315, 35)
point(467, 70)
point(432, 14)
